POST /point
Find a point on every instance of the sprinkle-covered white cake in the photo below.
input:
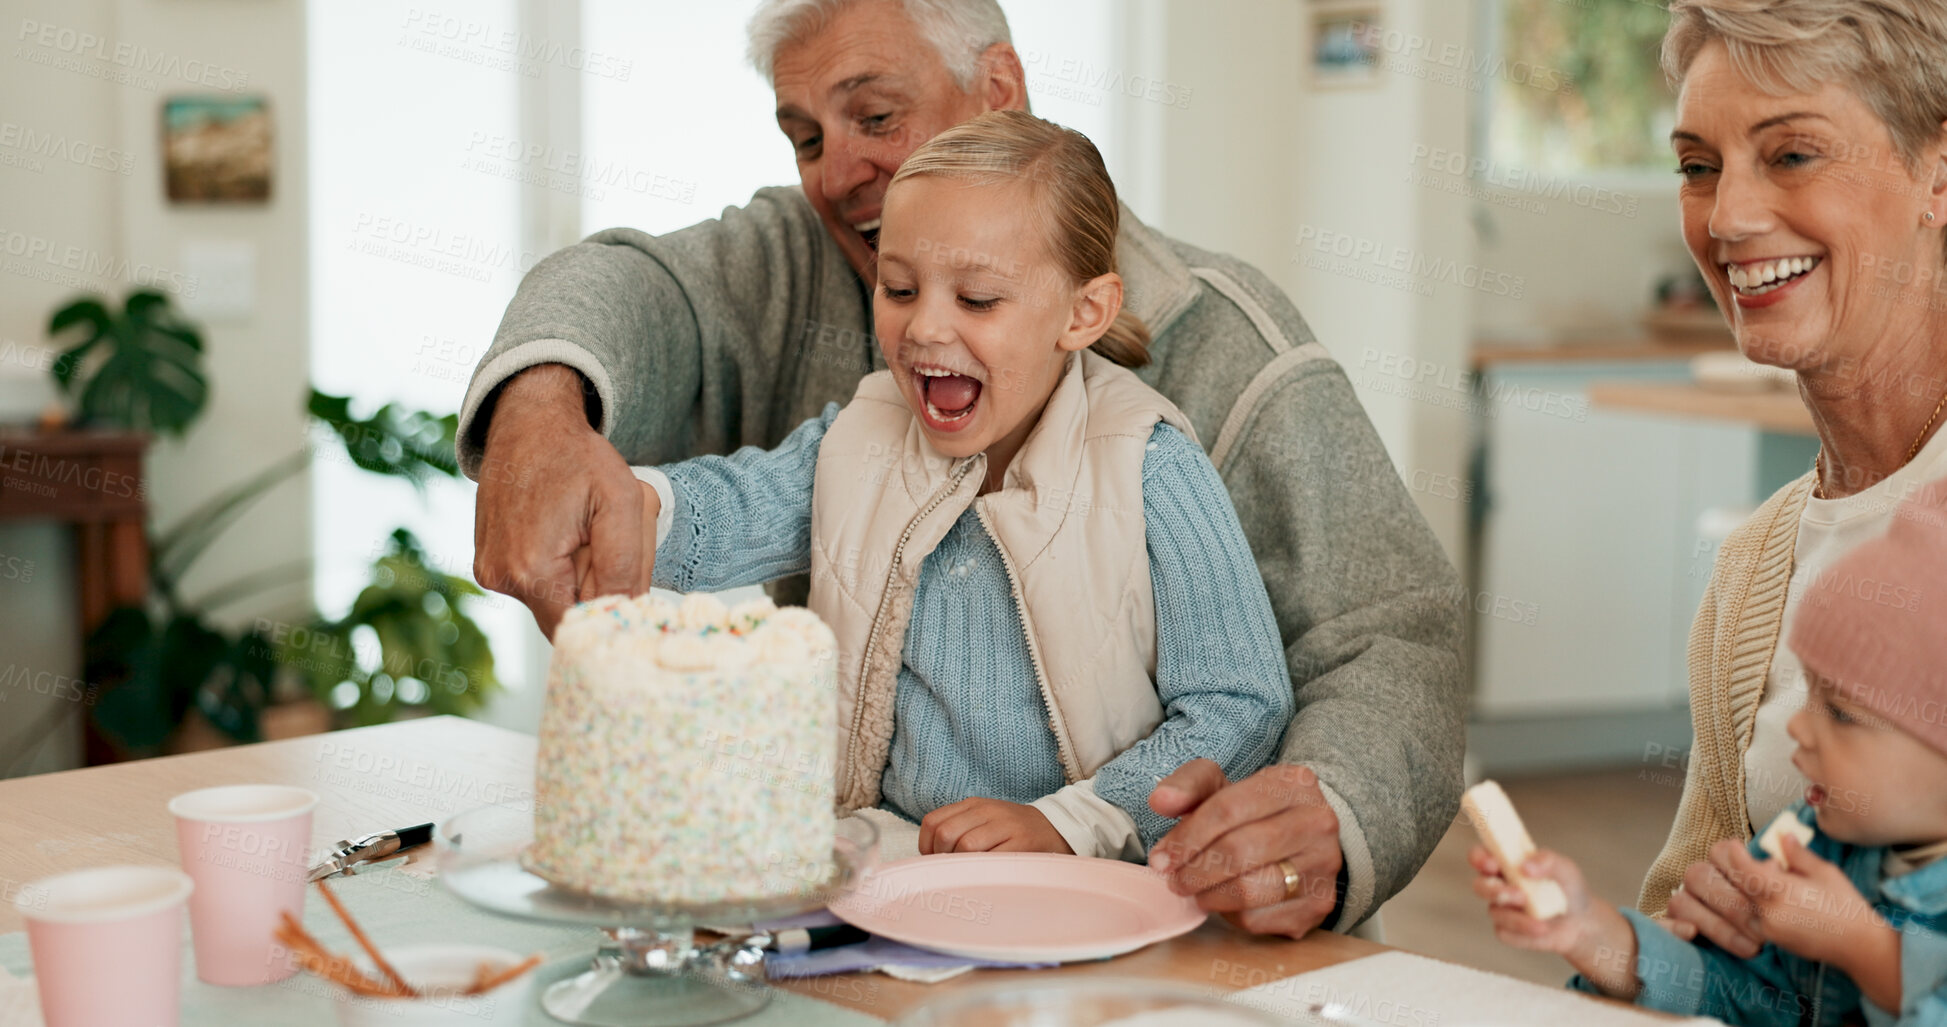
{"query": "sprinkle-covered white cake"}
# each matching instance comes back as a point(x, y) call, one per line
point(686, 752)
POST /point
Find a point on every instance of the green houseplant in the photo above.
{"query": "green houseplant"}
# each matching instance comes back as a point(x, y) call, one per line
point(139, 369)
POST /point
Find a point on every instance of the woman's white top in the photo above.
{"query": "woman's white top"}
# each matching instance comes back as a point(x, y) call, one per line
point(1827, 530)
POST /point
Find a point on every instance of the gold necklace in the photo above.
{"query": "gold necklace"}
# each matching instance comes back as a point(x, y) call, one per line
point(1818, 465)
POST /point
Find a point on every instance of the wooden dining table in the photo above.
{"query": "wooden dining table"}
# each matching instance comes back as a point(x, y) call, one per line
point(395, 775)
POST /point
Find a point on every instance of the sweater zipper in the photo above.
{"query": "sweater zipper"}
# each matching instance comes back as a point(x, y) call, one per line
point(1818, 995)
point(879, 615)
point(1034, 652)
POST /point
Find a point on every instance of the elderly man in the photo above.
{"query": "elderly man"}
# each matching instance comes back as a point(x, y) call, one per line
point(630, 349)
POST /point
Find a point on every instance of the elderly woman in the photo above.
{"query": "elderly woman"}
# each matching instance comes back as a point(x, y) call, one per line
point(1811, 138)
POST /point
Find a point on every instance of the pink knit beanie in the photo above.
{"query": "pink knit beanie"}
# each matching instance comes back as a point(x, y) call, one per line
point(1876, 621)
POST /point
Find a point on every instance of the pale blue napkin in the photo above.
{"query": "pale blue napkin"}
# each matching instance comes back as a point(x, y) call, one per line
point(871, 954)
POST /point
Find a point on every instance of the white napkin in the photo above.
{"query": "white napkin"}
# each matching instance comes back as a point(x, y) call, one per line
point(1399, 987)
point(898, 839)
point(20, 1001)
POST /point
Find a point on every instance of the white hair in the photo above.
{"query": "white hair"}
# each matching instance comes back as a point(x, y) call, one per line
point(961, 30)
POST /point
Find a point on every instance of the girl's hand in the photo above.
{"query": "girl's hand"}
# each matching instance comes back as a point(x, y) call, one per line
point(1592, 935)
point(1809, 907)
point(988, 825)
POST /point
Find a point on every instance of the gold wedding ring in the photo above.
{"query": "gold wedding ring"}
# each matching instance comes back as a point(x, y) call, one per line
point(1290, 879)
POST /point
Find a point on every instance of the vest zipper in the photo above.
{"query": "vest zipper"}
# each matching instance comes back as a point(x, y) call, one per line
point(879, 616)
point(1070, 770)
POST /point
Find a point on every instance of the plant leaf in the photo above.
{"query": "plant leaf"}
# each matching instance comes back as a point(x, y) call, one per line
point(399, 443)
point(151, 379)
point(433, 642)
point(86, 313)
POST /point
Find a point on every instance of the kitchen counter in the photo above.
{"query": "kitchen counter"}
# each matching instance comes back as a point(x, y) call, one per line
point(1780, 411)
point(1597, 350)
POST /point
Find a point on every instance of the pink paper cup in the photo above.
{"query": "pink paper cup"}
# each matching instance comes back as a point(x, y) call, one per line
point(107, 945)
point(247, 847)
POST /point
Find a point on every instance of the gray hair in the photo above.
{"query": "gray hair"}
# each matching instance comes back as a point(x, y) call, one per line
point(1889, 51)
point(961, 30)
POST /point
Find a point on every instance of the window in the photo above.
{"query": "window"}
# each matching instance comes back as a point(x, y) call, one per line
point(448, 149)
point(415, 251)
point(1582, 89)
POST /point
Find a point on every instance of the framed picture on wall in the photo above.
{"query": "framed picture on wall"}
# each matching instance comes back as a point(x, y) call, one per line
point(1344, 44)
point(216, 149)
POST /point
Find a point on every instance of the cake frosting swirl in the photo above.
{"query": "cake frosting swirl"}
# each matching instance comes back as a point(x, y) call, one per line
point(686, 751)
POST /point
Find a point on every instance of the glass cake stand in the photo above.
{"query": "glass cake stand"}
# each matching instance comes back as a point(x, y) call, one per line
point(650, 970)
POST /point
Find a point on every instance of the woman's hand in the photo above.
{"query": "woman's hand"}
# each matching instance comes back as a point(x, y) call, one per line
point(988, 825)
point(1592, 935)
point(1227, 848)
point(1707, 903)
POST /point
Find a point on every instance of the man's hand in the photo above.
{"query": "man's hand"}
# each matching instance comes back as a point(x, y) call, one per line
point(652, 505)
point(1707, 903)
point(550, 485)
point(1231, 838)
point(988, 825)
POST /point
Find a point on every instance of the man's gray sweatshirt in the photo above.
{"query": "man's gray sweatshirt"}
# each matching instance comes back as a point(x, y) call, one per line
point(734, 331)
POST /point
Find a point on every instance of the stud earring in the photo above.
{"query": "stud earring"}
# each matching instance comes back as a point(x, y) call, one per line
point(1930, 217)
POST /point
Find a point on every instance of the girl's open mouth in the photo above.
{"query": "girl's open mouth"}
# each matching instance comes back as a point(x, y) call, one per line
point(948, 399)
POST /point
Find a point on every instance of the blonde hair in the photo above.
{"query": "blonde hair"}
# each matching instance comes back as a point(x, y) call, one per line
point(1890, 51)
point(1071, 189)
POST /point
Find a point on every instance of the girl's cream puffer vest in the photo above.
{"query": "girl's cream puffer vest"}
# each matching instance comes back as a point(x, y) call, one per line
point(1068, 521)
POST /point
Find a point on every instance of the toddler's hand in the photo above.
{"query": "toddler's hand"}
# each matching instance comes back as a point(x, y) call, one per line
point(988, 825)
point(1509, 907)
point(1811, 909)
point(1592, 935)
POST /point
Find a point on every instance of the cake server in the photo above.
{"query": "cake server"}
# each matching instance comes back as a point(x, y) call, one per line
point(346, 856)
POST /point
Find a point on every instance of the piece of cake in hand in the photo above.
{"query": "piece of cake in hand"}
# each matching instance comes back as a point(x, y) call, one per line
point(686, 752)
point(1773, 839)
point(1507, 838)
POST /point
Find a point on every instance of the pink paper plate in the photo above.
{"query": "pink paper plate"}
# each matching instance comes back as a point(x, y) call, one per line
point(1025, 907)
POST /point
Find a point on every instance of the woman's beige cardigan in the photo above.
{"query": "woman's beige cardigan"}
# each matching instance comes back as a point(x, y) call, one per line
point(1731, 643)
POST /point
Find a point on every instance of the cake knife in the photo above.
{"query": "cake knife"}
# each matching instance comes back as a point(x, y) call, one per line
point(345, 857)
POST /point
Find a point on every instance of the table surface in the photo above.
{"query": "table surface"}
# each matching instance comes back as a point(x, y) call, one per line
point(407, 773)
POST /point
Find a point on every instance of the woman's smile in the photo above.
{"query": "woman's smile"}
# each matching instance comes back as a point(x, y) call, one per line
point(1760, 283)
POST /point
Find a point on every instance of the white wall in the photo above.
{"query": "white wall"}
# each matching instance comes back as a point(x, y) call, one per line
point(1262, 164)
point(1590, 266)
point(45, 203)
point(97, 81)
point(1226, 158)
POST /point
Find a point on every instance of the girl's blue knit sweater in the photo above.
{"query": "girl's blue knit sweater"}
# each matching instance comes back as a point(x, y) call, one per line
point(969, 720)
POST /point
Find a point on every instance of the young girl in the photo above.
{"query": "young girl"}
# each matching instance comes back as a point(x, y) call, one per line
point(1855, 923)
point(1042, 597)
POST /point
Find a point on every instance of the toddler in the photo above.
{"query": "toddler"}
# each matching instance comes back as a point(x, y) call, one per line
point(1855, 923)
point(1042, 596)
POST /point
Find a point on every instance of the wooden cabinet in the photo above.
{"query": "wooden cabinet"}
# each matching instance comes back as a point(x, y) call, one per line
point(93, 481)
